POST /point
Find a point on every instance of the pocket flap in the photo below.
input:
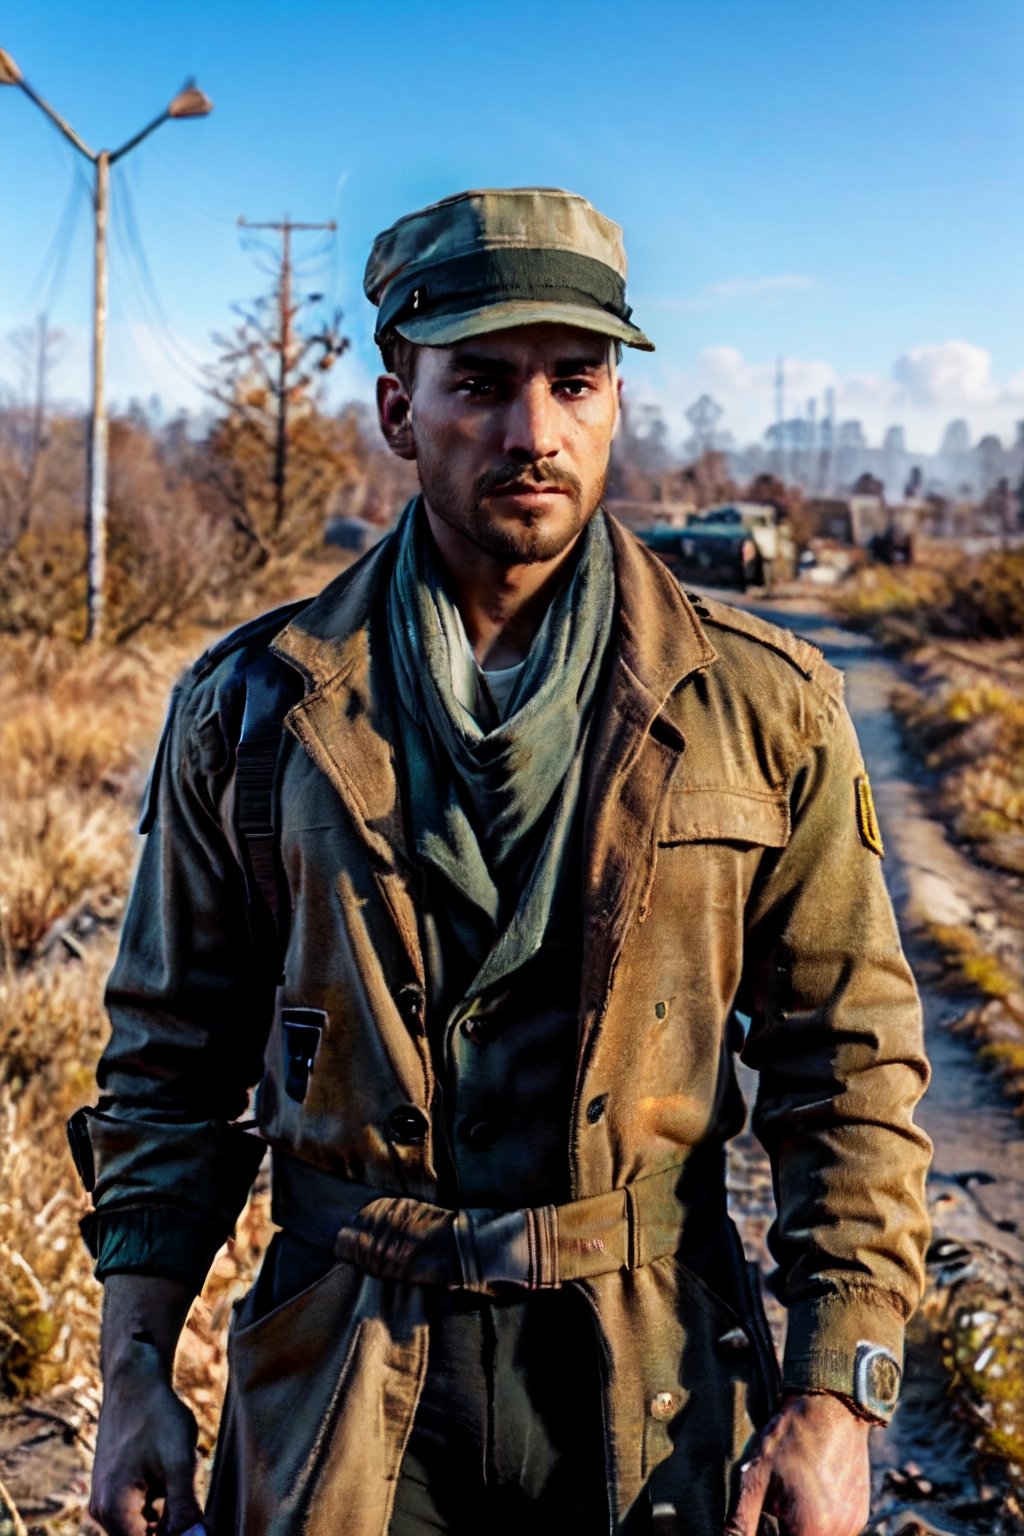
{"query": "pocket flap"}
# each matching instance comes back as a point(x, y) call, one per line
point(727, 815)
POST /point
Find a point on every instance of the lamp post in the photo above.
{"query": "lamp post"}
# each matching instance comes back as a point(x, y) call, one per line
point(189, 102)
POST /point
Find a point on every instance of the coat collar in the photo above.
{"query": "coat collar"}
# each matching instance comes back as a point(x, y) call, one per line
point(330, 636)
point(659, 637)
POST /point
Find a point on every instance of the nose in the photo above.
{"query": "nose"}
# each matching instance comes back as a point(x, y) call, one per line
point(531, 422)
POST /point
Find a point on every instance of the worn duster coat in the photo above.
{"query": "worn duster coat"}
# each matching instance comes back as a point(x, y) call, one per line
point(725, 867)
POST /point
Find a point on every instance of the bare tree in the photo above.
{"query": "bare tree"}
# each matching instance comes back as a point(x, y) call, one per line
point(270, 457)
point(24, 429)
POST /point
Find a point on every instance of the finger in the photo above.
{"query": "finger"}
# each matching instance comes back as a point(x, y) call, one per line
point(119, 1511)
point(181, 1507)
point(747, 1510)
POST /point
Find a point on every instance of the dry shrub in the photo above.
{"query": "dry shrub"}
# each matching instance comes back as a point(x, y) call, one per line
point(55, 866)
point(973, 599)
point(895, 604)
point(42, 583)
point(170, 560)
point(987, 597)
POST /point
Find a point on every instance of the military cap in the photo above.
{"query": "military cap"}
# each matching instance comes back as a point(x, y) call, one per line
point(487, 260)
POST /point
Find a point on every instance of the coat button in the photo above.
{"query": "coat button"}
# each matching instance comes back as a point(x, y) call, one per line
point(406, 1125)
point(410, 1005)
point(735, 1339)
point(595, 1109)
point(663, 1406)
point(479, 1134)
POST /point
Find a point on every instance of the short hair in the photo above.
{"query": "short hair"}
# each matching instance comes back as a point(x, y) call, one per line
point(400, 355)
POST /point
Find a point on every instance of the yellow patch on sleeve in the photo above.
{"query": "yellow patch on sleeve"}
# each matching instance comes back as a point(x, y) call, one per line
point(867, 820)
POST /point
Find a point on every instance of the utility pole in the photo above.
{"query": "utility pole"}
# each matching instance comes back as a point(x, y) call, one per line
point(286, 353)
point(189, 102)
point(780, 416)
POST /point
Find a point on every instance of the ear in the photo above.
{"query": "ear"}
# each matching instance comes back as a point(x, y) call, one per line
point(394, 412)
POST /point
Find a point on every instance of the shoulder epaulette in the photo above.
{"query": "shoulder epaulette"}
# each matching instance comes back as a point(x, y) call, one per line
point(800, 653)
point(246, 636)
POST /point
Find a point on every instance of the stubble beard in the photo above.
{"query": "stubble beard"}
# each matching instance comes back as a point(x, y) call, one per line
point(536, 536)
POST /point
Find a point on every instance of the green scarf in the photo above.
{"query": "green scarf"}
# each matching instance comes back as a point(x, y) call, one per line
point(492, 810)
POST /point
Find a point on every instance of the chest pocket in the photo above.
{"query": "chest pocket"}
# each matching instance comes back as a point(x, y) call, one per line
point(758, 817)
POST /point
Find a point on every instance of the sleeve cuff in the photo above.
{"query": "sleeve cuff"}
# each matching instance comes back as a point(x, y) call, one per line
point(155, 1240)
point(849, 1344)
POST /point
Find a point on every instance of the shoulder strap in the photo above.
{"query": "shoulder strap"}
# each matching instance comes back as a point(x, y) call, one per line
point(271, 688)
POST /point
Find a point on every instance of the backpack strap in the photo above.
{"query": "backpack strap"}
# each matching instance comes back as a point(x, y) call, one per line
point(271, 688)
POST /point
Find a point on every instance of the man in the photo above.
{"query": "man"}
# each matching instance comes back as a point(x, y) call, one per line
point(478, 922)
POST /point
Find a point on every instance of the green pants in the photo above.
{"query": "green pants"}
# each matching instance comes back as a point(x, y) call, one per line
point(508, 1436)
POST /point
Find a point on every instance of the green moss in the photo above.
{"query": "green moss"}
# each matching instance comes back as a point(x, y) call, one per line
point(985, 973)
point(994, 1388)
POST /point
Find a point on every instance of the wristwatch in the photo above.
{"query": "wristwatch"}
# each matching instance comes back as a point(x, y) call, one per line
point(876, 1381)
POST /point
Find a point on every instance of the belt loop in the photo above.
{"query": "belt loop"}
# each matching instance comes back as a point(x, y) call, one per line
point(542, 1241)
point(633, 1256)
point(466, 1248)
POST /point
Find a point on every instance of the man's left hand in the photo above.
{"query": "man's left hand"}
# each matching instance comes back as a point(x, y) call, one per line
point(809, 1468)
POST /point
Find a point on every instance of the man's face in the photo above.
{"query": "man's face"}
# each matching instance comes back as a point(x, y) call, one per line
point(511, 433)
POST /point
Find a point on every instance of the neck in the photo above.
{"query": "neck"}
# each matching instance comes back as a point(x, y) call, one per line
point(502, 606)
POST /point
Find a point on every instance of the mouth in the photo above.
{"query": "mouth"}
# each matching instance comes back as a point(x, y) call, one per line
point(530, 492)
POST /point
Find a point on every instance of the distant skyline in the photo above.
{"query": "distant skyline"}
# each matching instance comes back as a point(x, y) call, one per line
point(837, 185)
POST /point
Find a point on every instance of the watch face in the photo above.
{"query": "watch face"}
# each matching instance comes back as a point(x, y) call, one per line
point(877, 1377)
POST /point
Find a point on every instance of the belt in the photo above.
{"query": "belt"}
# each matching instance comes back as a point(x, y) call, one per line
point(539, 1247)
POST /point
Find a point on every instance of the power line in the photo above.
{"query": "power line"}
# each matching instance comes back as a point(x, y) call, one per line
point(141, 280)
point(55, 261)
point(224, 217)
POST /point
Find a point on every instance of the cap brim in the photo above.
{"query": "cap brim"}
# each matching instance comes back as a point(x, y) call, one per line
point(442, 330)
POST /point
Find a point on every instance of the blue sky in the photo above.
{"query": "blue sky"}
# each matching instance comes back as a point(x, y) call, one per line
point(837, 183)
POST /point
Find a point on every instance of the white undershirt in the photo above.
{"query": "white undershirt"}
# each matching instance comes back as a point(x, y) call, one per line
point(500, 682)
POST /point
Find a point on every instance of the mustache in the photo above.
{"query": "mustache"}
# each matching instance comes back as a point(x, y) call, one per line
point(527, 477)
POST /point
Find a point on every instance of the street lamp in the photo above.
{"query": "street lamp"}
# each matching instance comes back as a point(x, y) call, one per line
point(189, 102)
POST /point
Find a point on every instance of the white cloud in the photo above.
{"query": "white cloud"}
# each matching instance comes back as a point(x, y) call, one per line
point(731, 290)
point(950, 374)
point(760, 287)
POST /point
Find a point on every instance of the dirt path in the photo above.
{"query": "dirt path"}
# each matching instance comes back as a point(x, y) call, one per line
point(927, 1477)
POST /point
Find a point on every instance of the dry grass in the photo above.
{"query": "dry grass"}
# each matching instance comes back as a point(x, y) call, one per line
point(76, 732)
point(964, 715)
point(965, 598)
point(51, 1029)
point(970, 962)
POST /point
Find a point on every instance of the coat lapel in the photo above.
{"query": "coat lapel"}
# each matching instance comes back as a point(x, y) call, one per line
point(658, 643)
point(344, 719)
